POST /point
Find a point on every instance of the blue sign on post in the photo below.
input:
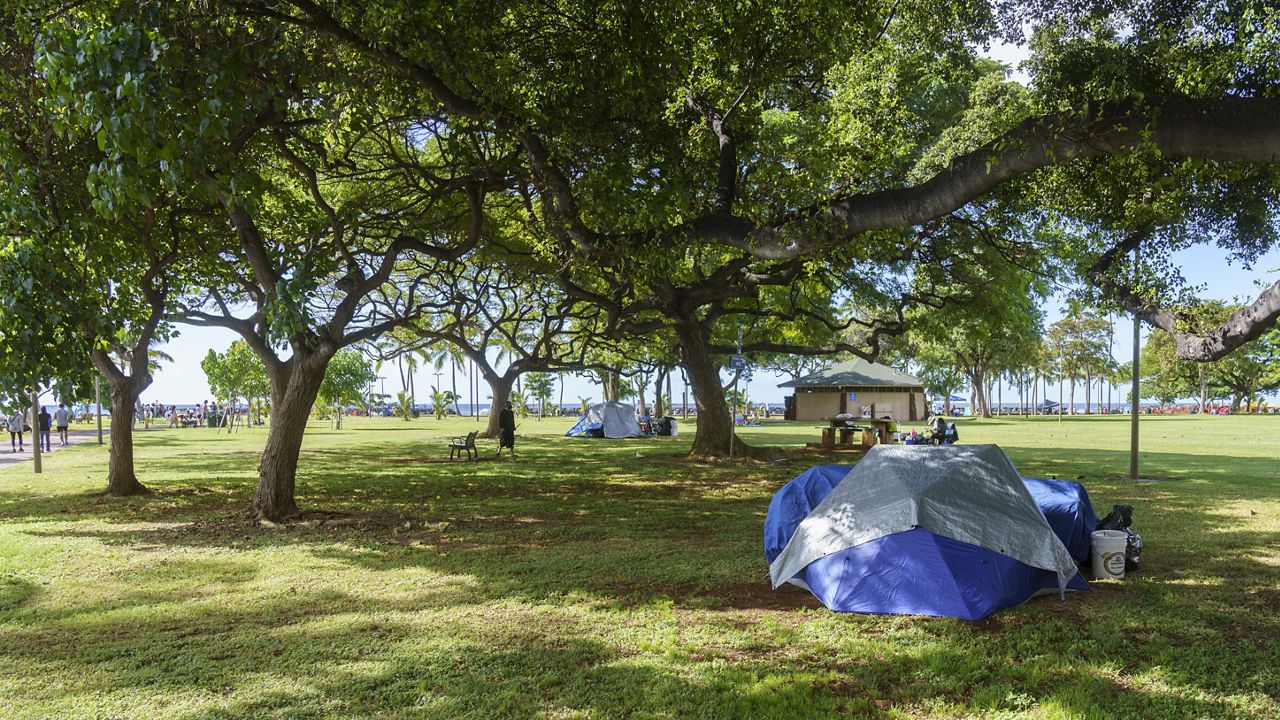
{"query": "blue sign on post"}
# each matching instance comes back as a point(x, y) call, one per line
point(738, 362)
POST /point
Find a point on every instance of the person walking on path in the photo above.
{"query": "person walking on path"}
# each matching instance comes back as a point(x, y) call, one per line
point(62, 421)
point(507, 429)
point(42, 428)
point(16, 425)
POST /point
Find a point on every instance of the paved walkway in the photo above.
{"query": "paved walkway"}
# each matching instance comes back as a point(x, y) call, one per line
point(75, 436)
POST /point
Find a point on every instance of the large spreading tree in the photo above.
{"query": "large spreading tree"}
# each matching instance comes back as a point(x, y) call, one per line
point(763, 127)
point(833, 167)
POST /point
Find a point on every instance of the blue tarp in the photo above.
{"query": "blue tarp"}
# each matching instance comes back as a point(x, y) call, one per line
point(584, 427)
point(1066, 506)
point(793, 503)
point(919, 572)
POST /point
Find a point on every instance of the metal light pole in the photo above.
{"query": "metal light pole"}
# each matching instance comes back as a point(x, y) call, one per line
point(1135, 398)
point(97, 399)
point(733, 416)
point(35, 425)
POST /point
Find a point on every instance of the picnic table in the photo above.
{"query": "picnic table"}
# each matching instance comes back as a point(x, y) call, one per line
point(869, 430)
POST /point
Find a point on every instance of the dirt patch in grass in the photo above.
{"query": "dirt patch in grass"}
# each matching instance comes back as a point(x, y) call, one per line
point(445, 460)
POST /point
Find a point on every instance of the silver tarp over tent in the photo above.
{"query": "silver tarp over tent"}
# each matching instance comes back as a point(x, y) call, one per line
point(969, 493)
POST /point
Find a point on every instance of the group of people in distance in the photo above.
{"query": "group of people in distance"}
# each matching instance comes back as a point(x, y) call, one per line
point(194, 417)
point(940, 432)
point(20, 423)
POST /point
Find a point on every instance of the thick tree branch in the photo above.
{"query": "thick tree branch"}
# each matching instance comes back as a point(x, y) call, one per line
point(1246, 324)
point(1224, 129)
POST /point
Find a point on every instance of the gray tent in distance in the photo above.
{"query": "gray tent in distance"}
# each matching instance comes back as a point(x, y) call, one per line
point(608, 419)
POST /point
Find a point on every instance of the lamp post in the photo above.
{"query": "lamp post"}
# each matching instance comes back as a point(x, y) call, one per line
point(1134, 393)
point(97, 400)
point(35, 426)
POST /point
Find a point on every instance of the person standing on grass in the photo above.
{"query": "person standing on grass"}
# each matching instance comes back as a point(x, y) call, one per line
point(16, 424)
point(42, 428)
point(62, 421)
point(507, 430)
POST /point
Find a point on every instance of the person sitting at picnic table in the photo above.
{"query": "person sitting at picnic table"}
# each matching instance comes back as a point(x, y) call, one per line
point(938, 430)
point(950, 435)
point(507, 430)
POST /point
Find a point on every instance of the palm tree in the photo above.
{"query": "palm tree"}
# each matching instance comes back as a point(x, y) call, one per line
point(404, 405)
point(1047, 368)
point(448, 354)
point(440, 400)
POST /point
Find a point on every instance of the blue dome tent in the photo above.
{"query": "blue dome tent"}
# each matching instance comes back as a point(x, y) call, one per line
point(1066, 506)
point(951, 531)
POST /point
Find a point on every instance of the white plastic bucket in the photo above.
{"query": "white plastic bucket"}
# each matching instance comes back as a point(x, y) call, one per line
point(1108, 554)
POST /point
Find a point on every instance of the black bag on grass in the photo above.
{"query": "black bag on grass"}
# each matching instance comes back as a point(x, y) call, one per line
point(1121, 518)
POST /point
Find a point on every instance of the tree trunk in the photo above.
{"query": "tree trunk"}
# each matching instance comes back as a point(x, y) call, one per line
point(500, 388)
point(641, 386)
point(980, 392)
point(671, 398)
point(413, 393)
point(1204, 392)
point(715, 426)
point(472, 389)
point(1088, 392)
point(659, 409)
point(293, 394)
point(610, 382)
point(1071, 405)
point(453, 379)
point(121, 478)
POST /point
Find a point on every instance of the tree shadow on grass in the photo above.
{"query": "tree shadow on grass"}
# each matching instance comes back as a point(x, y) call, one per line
point(603, 535)
point(318, 654)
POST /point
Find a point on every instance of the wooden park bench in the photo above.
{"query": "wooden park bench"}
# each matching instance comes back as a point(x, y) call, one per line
point(460, 445)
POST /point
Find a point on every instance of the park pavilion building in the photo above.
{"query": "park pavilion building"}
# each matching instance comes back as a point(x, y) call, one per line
point(857, 387)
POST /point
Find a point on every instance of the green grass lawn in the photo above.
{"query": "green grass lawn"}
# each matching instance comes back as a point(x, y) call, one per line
point(602, 579)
